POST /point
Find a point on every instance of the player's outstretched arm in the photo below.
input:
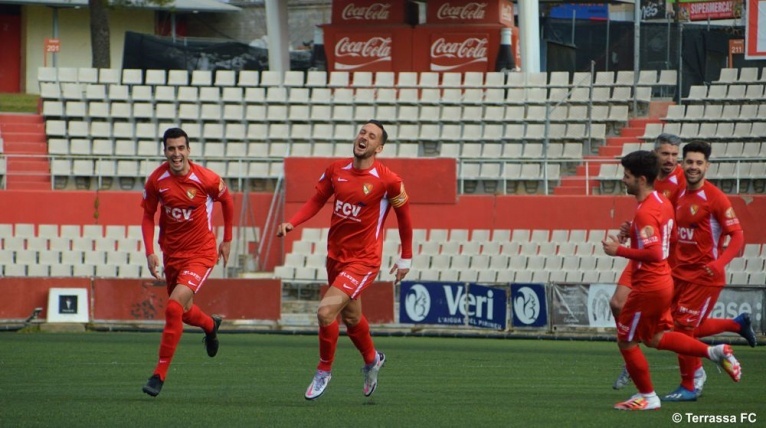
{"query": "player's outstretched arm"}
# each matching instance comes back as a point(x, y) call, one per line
point(403, 265)
point(283, 229)
point(308, 210)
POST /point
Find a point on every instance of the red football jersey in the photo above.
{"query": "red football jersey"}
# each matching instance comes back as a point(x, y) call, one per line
point(652, 226)
point(672, 185)
point(187, 210)
point(363, 199)
point(704, 217)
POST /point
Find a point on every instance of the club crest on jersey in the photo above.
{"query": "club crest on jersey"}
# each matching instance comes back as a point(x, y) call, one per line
point(647, 232)
point(367, 188)
point(191, 193)
point(666, 193)
point(693, 209)
point(730, 213)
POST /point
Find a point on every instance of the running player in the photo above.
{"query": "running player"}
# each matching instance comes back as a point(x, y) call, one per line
point(669, 183)
point(185, 192)
point(645, 318)
point(364, 191)
point(704, 217)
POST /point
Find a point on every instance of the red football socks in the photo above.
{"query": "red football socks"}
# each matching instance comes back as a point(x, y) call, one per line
point(197, 318)
point(328, 340)
point(682, 344)
point(638, 367)
point(171, 334)
point(713, 326)
point(360, 335)
point(687, 365)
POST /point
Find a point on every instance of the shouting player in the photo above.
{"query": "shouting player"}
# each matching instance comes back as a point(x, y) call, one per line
point(364, 190)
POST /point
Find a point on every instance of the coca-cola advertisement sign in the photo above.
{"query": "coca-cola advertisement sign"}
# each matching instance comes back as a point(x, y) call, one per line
point(469, 12)
point(368, 47)
point(355, 12)
point(358, 52)
point(459, 52)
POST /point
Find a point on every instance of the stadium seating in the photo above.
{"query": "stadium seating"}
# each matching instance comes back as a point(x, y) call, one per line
point(89, 105)
point(496, 256)
point(494, 124)
point(93, 250)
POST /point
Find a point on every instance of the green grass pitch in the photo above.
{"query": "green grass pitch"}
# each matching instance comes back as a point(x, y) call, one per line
point(95, 379)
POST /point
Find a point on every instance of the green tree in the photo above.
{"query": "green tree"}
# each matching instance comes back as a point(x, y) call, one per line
point(99, 26)
point(99, 33)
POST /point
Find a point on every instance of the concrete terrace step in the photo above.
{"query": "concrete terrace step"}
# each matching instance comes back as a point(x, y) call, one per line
point(632, 132)
point(24, 184)
point(34, 128)
point(641, 122)
point(24, 134)
point(17, 118)
point(610, 151)
point(25, 147)
point(31, 166)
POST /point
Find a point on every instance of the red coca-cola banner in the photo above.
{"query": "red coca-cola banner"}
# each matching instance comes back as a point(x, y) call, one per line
point(355, 12)
point(456, 49)
point(470, 12)
point(369, 48)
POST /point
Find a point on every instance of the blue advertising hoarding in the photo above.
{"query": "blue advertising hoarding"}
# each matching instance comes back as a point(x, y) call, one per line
point(594, 11)
point(530, 308)
point(452, 303)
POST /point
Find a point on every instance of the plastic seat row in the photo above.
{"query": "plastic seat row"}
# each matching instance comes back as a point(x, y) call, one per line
point(730, 93)
point(740, 75)
point(716, 113)
point(730, 131)
point(73, 93)
point(720, 150)
point(212, 113)
point(225, 78)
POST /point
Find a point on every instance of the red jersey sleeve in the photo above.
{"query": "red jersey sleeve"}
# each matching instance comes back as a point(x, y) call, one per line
point(651, 245)
point(724, 213)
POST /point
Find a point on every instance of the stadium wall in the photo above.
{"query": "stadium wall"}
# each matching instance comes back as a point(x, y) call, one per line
point(74, 33)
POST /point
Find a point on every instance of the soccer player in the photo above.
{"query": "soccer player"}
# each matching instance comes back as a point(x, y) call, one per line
point(704, 217)
point(646, 314)
point(669, 182)
point(364, 190)
point(185, 192)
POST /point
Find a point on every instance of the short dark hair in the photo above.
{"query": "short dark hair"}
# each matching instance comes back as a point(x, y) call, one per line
point(642, 163)
point(174, 133)
point(699, 147)
point(672, 139)
point(384, 135)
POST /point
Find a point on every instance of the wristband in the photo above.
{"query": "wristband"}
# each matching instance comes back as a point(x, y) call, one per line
point(404, 263)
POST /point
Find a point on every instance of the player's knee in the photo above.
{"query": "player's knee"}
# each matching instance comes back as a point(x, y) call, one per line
point(350, 320)
point(326, 315)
